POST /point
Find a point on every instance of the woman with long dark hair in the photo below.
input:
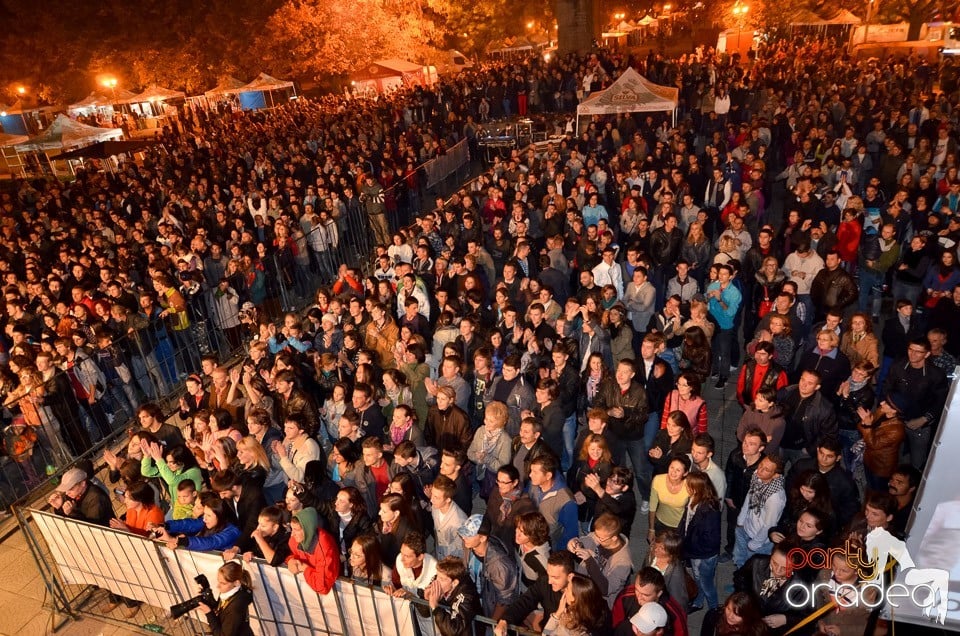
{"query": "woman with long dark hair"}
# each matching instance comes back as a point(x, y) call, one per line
point(215, 529)
point(365, 562)
point(674, 439)
point(687, 398)
point(739, 616)
point(347, 518)
point(695, 353)
point(700, 529)
point(393, 525)
point(582, 610)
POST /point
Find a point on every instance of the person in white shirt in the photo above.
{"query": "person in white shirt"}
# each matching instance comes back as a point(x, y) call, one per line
point(608, 272)
point(801, 267)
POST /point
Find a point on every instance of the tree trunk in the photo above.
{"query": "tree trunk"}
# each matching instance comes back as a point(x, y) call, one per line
point(916, 23)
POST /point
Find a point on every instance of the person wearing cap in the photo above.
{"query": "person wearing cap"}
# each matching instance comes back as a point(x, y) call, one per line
point(650, 620)
point(883, 432)
point(490, 563)
point(649, 586)
point(330, 337)
point(76, 497)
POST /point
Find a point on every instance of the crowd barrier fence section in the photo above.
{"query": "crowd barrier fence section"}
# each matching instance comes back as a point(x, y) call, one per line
point(76, 559)
point(439, 168)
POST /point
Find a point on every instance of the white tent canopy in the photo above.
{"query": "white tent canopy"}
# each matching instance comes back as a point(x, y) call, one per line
point(630, 93)
point(264, 82)
point(11, 140)
point(99, 100)
point(227, 86)
point(65, 133)
point(154, 93)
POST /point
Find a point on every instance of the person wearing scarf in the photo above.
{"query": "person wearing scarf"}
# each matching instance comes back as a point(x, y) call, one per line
point(765, 501)
point(313, 551)
point(768, 579)
point(505, 504)
point(491, 447)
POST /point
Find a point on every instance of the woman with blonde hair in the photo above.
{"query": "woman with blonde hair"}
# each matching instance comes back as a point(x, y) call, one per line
point(699, 310)
point(696, 250)
point(253, 462)
point(727, 250)
point(491, 447)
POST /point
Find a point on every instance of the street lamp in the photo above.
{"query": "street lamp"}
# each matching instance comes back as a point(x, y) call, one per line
point(111, 83)
point(740, 14)
point(21, 90)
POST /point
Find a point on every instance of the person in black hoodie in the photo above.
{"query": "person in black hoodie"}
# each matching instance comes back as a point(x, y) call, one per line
point(454, 587)
point(271, 539)
point(231, 617)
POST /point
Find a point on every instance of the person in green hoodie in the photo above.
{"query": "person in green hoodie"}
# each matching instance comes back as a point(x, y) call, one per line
point(313, 551)
point(173, 465)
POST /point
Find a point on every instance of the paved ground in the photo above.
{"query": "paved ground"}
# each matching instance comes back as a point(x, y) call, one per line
point(22, 595)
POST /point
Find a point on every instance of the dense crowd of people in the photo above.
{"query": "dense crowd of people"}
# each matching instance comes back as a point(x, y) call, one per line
point(546, 341)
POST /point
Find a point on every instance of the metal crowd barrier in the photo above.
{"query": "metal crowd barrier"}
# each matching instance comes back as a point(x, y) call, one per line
point(82, 563)
point(159, 356)
point(157, 359)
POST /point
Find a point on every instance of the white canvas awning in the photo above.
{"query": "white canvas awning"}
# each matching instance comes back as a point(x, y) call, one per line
point(65, 133)
point(11, 140)
point(630, 93)
point(155, 93)
point(264, 82)
point(227, 86)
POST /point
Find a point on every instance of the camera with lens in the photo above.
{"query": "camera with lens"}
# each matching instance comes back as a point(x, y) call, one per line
point(205, 596)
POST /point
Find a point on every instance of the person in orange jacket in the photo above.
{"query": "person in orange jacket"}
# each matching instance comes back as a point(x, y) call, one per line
point(313, 551)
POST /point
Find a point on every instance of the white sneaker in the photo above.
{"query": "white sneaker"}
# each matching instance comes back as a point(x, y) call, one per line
point(644, 506)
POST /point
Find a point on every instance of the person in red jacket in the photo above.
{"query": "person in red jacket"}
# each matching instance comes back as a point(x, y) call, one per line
point(848, 239)
point(313, 551)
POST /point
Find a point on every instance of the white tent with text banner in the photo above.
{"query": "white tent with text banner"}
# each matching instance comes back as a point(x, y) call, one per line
point(630, 93)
